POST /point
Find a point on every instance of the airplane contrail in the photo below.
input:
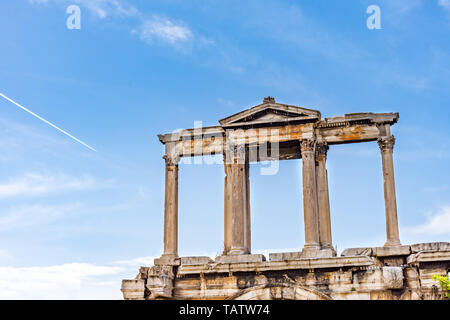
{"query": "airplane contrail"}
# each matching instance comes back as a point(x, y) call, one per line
point(47, 122)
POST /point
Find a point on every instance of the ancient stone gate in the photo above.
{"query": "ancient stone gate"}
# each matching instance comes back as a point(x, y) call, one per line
point(287, 132)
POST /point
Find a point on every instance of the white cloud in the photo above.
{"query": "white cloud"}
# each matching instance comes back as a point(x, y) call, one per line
point(445, 4)
point(155, 28)
point(100, 8)
point(436, 224)
point(415, 83)
point(104, 8)
point(4, 254)
point(32, 215)
point(290, 24)
point(34, 184)
point(163, 29)
point(69, 281)
point(134, 264)
point(19, 141)
point(402, 6)
point(226, 103)
point(66, 281)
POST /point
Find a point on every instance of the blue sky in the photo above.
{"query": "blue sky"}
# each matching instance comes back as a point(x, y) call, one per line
point(74, 222)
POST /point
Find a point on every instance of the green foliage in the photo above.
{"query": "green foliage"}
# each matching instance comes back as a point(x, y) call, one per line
point(444, 282)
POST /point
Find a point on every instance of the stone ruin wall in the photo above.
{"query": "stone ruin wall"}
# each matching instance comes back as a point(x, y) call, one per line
point(399, 273)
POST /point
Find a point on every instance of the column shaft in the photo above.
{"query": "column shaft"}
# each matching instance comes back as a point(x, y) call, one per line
point(247, 220)
point(237, 213)
point(171, 209)
point(323, 197)
point(228, 214)
point(310, 195)
point(386, 146)
point(228, 227)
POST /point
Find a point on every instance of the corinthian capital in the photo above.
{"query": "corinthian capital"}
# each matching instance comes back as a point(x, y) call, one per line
point(235, 153)
point(171, 160)
point(386, 143)
point(322, 149)
point(308, 145)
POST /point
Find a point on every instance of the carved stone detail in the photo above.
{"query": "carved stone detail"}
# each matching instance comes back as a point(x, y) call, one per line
point(322, 150)
point(171, 161)
point(160, 282)
point(386, 143)
point(307, 145)
point(269, 100)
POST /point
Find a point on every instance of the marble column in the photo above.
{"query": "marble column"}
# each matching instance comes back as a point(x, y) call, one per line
point(310, 206)
point(323, 196)
point(227, 207)
point(237, 213)
point(171, 208)
point(247, 238)
point(386, 145)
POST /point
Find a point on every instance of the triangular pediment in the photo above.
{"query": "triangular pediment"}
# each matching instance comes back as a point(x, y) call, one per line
point(270, 112)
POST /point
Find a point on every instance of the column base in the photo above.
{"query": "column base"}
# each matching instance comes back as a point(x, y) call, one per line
point(236, 252)
point(392, 243)
point(310, 250)
point(327, 252)
point(313, 251)
point(167, 260)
